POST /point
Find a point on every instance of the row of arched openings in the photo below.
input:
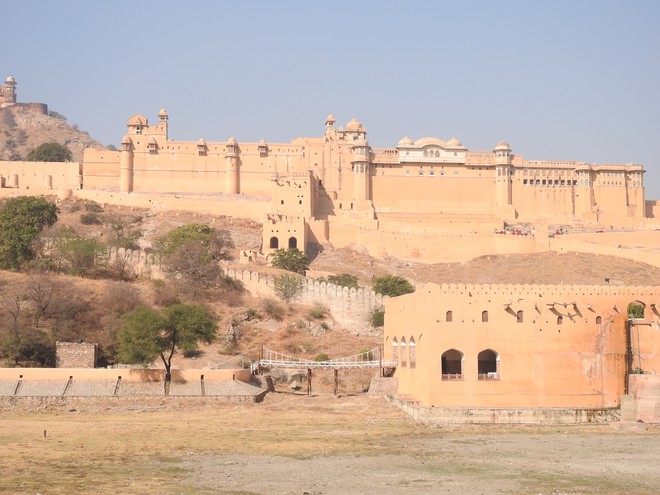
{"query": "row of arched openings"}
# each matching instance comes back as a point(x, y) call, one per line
point(404, 353)
point(275, 243)
point(488, 365)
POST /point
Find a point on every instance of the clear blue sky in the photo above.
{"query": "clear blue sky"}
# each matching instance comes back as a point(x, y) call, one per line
point(575, 80)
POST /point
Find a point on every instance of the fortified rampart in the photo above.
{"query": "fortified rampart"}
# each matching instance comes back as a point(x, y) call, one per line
point(352, 308)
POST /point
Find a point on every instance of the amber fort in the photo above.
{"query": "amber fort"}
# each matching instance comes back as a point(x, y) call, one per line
point(426, 199)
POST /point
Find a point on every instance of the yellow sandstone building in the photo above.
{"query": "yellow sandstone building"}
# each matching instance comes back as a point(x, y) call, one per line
point(338, 189)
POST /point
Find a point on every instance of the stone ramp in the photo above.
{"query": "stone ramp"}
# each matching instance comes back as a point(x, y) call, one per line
point(42, 388)
point(91, 388)
point(8, 387)
point(140, 389)
point(186, 388)
point(106, 388)
point(232, 388)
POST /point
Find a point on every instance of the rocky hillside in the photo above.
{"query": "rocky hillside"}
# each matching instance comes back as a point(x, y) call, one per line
point(22, 131)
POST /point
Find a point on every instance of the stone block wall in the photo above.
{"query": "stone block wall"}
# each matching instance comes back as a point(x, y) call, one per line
point(75, 355)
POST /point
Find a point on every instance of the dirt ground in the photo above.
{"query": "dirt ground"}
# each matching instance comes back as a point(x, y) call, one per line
point(318, 445)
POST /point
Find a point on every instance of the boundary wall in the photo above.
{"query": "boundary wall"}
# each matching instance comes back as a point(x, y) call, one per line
point(350, 307)
point(125, 374)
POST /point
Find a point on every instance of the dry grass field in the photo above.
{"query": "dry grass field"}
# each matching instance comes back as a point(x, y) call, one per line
point(294, 444)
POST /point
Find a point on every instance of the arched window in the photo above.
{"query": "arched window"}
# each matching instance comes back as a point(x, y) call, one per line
point(449, 316)
point(437, 154)
point(404, 357)
point(484, 317)
point(452, 365)
point(274, 242)
point(412, 353)
point(560, 320)
point(395, 351)
point(293, 242)
point(488, 365)
point(599, 320)
point(519, 316)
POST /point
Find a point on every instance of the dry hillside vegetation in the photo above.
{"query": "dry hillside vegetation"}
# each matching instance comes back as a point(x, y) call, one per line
point(21, 132)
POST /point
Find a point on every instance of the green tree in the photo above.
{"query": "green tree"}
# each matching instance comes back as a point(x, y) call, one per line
point(76, 255)
point(50, 152)
point(288, 286)
point(636, 310)
point(21, 221)
point(291, 259)
point(147, 334)
point(344, 280)
point(57, 115)
point(189, 254)
point(377, 318)
point(392, 286)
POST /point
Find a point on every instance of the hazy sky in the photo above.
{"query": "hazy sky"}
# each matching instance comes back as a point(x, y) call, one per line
point(574, 80)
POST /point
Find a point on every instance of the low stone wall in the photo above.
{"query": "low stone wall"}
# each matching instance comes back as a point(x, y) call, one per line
point(123, 403)
point(139, 375)
point(438, 416)
point(75, 354)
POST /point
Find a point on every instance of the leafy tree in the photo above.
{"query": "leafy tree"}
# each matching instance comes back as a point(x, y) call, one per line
point(218, 243)
point(57, 115)
point(291, 259)
point(76, 255)
point(147, 333)
point(50, 152)
point(377, 318)
point(288, 286)
point(344, 280)
point(636, 310)
point(392, 286)
point(190, 254)
point(21, 221)
point(125, 230)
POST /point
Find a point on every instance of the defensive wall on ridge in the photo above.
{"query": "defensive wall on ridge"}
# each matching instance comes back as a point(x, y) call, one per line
point(350, 307)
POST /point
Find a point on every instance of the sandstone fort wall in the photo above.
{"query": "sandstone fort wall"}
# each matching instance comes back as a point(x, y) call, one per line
point(520, 345)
